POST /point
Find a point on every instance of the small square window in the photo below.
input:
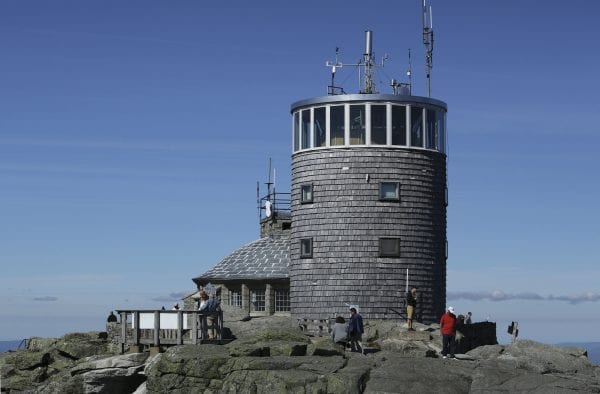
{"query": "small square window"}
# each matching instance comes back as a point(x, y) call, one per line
point(389, 191)
point(307, 194)
point(306, 248)
point(389, 247)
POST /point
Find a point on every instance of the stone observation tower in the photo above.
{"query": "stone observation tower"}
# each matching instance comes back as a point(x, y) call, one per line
point(368, 199)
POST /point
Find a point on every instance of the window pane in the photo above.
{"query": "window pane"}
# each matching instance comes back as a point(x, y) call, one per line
point(307, 193)
point(319, 126)
point(257, 296)
point(389, 191)
point(431, 130)
point(306, 248)
point(357, 124)
point(389, 247)
point(282, 300)
point(398, 125)
point(336, 115)
point(378, 124)
point(441, 121)
point(296, 131)
point(236, 298)
point(306, 129)
point(416, 128)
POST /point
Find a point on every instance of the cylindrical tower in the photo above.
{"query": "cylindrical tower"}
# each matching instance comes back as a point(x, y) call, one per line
point(369, 203)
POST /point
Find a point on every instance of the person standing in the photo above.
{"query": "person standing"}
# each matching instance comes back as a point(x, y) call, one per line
point(468, 319)
point(355, 331)
point(448, 330)
point(210, 308)
point(411, 305)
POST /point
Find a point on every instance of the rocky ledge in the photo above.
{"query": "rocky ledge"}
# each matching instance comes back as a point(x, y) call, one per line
point(272, 356)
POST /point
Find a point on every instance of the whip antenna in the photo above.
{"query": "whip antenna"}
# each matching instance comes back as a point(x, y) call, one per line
point(428, 42)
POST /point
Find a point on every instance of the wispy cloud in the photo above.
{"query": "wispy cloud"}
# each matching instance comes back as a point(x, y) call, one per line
point(499, 295)
point(169, 146)
point(46, 299)
point(171, 297)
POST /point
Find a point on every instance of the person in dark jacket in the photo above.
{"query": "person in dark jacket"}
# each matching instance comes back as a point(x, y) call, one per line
point(355, 331)
point(411, 305)
point(448, 331)
point(210, 307)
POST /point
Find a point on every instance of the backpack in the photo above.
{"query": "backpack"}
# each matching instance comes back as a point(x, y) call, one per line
point(212, 305)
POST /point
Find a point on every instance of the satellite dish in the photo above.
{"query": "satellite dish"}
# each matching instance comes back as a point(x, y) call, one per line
point(268, 210)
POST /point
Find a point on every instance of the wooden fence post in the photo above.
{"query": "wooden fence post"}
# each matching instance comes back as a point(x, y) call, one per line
point(195, 327)
point(179, 327)
point(123, 331)
point(156, 328)
point(136, 330)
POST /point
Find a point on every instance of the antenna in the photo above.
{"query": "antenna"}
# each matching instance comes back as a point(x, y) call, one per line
point(334, 66)
point(258, 198)
point(269, 183)
point(428, 42)
point(367, 63)
point(409, 73)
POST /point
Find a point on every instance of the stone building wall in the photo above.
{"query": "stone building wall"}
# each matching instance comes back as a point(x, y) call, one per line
point(346, 220)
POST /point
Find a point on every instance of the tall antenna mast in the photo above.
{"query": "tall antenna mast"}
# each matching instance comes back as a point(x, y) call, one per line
point(368, 63)
point(269, 183)
point(428, 42)
point(409, 73)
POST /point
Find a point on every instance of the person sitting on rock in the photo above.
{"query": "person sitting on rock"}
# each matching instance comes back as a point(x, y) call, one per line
point(448, 330)
point(339, 333)
point(355, 331)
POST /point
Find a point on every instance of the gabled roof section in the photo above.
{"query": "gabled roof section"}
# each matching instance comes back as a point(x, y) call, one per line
point(266, 258)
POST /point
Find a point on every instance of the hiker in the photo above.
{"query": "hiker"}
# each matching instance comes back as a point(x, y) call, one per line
point(203, 300)
point(411, 305)
point(210, 306)
point(339, 333)
point(355, 331)
point(448, 331)
point(468, 319)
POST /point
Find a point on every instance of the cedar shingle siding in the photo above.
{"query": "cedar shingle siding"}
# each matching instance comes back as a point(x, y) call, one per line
point(346, 220)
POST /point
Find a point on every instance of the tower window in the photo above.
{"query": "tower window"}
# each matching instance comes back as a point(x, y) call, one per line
point(337, 124)
point(307, 194)
point(378, 124)
point(389, 191)
point(357, 124)
point(441, 122)
point(416, 129)
point(319, 126)
point(306, 248)
point(432, 129)
point(305, 125)
point(296, 131)
point(398, 125)
point(389, 247)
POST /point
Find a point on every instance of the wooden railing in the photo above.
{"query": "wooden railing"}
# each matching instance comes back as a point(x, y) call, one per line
point(132, 332)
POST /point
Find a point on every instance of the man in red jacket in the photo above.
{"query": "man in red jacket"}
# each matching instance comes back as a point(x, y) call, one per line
point(448, 330)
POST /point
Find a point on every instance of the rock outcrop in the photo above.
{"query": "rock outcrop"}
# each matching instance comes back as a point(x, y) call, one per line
point(270, 356)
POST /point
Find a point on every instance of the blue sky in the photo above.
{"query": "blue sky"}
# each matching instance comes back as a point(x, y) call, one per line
point(133, 133)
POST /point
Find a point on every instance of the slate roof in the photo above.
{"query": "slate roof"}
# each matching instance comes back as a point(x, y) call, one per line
point(266, 258)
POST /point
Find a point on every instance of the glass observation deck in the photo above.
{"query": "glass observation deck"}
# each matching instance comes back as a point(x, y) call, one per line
point(377, 120)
